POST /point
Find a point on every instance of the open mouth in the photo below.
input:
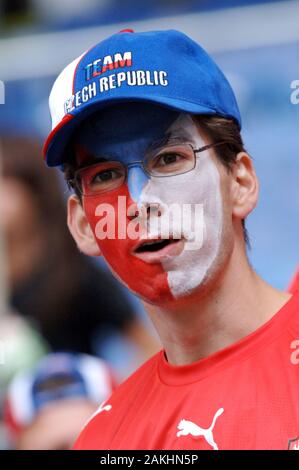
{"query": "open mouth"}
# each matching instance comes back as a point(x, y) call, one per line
point(155, 245)
point(155, 251)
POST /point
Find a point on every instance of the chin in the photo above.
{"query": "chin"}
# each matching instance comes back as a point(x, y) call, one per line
point(155, 291)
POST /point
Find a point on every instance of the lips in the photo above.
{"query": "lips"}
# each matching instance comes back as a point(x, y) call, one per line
point(155, 250)
point(153, 245)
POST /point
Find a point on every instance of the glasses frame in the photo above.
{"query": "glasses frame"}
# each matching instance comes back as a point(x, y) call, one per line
point(75, 183)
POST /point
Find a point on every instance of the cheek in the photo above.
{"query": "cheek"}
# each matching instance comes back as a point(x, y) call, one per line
point(202, 186)
point(198, 189)
point(188, 188)
point(148, 281)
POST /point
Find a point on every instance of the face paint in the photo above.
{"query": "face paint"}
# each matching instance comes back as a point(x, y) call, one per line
point(124, 135)
point(187, 270)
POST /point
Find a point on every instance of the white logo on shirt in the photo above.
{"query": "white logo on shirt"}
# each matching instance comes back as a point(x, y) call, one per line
point(187, 427)
point(103, 407)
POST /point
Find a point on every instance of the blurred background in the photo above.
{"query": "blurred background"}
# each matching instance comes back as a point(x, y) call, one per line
point(256, 43)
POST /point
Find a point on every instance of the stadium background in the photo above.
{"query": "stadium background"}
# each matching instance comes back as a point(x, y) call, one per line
point(256, 43)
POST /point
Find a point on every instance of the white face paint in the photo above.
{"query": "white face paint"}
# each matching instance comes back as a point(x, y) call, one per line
point(186, 271)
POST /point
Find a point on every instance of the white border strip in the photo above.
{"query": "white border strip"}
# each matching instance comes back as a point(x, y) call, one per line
point(218, 31)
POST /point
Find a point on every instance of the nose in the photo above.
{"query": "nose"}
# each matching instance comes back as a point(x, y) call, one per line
point(137, 180)
point(144, 212)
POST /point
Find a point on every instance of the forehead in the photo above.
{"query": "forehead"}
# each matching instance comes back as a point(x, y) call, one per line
point(131, 129)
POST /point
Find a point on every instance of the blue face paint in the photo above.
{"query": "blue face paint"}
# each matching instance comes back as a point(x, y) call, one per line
point(137, 179)
point(124, 133)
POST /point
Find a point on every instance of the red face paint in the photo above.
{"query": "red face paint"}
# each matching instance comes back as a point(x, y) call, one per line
point(148, 281)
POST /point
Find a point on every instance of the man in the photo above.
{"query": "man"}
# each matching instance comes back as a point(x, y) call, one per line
point(147, 130)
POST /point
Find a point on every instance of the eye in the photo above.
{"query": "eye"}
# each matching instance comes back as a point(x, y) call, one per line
point(172, 160)
point(168, 158)
point(101, 177)
point(105, 176)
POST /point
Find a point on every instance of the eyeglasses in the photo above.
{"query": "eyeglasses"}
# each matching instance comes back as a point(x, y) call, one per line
point(106, 175)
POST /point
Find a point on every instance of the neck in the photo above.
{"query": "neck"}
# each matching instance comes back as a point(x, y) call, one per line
point(228, 309)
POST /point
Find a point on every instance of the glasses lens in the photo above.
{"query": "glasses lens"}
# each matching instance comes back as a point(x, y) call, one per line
point(99, 178)
point(171, 160)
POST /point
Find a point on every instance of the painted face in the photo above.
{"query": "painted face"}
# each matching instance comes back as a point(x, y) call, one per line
point(185, 247)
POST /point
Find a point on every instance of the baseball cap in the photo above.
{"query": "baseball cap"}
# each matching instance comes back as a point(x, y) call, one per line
point(58, 376)
point(166, 68)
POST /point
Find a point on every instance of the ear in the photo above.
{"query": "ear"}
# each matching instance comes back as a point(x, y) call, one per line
point(245, 187)
point(80, 228)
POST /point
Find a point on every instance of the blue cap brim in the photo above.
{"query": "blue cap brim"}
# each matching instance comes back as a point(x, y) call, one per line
point(55, 148)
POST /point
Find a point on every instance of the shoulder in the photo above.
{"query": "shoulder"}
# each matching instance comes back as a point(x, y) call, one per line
point(142, 375)
point(103, 425)
point(292, 330)
point(292, 310)
point(294, 286)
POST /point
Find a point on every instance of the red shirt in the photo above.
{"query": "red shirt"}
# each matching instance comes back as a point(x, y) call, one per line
point(245, 396)
point(295, 283)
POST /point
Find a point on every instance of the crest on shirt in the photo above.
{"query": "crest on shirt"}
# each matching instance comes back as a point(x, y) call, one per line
point(293, 444)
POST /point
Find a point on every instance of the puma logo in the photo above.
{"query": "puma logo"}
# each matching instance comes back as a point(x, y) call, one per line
point(101, 408)
point(187, 427)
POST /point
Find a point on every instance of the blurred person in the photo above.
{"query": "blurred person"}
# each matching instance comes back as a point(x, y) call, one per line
point(142, 121)
point(20, 344)
point(73, 303)
point(47, 406)
point(21, 347)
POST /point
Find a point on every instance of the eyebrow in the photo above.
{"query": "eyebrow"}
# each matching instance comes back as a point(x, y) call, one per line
point(179, 137)
point(92, 160)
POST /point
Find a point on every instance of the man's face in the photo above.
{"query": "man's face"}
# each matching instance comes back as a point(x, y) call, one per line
point(186, 247)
